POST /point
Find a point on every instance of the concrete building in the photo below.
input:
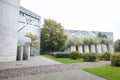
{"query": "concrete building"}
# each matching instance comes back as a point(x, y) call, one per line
point(85, 48)
point(86, 34)
point(9, 14)
point(28, 22)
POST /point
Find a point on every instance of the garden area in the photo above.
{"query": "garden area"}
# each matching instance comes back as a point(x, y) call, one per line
point(110, 72)
point(76, 50)
point(76, 57)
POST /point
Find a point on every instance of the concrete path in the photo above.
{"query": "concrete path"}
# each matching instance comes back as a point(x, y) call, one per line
point(65, 75)
point(34, 61)
point(40, 68)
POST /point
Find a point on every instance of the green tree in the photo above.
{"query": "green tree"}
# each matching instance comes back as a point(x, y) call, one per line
point(52, 36)
point(34, 40)
point(100, 35)
point(117, 45)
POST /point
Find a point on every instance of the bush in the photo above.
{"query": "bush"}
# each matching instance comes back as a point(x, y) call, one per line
point(107, 56)
point(74, 55)
point(115, 59)
point(61, 54)
point(100, 56)
point(80, 55)
point(89, 57)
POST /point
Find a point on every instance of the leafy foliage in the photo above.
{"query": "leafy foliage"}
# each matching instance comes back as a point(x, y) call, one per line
point(34, 40)
point(117, 45)
point(52, 36)
point(107, 56)
point(115, 60)
point(100, 56)
point(100, 35)
point(75, 55)
point(61, 55)
point(89, 57)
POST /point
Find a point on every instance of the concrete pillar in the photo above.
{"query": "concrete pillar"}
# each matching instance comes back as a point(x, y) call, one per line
point(86, 49)
point(104, 48)
point(110, 48)
point(26, 52)
point(72, 48)
point(20, 53)
point(80, 49)
point(98, 48)
point(92, 48)
point(9, 13)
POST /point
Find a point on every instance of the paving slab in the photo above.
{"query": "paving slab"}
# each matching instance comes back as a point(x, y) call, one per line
point(76, 74)
point(34, 61)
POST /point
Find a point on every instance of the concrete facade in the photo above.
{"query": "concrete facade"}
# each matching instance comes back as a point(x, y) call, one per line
point(29, 22)
point(9, 10)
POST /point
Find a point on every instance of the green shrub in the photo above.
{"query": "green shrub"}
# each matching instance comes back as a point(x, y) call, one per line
point(107, 56)
point(61, 54)
point(74, 55)
point(100, 56)
point(115, 59)
point(89, 57)
point(80, 55)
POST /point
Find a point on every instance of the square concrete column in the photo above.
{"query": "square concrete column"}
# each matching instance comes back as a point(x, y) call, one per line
point(9, 13)
point(110, 48)
point(26, 52)
point(104, 48)
point(72, 48)
point(92, 48)
point(86, 49)
point(80, 49)
point(20, 53)
point(98, 48)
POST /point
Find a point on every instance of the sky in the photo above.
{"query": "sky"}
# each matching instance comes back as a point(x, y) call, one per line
point(90, 15)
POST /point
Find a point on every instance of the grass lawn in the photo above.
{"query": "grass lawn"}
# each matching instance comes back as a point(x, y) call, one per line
point(64, 60)
point(108, 72)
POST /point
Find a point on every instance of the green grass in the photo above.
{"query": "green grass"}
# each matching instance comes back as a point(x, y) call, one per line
point(108, 72)
point(64, 60)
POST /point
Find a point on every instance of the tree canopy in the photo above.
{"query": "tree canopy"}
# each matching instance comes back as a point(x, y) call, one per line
point(34, 40)
point(117, 45)
point(52, 36)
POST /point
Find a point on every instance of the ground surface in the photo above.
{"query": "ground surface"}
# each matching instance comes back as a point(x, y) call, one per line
point(76, 74)
point(108, 72)
point(36, 69)
point(34, 61)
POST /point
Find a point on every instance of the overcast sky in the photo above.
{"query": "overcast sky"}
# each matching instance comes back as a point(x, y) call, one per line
point(90, 15)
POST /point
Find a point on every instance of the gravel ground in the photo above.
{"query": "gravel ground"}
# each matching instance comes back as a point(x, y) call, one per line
point(25, 71)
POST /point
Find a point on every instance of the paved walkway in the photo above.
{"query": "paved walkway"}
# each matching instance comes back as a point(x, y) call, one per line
point(34, 61)
point(65, 75)
point(25, 73)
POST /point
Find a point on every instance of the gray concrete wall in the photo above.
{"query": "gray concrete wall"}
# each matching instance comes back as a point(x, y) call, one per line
point(9, 10)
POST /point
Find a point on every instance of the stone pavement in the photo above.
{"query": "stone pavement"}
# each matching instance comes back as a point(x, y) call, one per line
point(34, 61)
point(26, 72)
point(76, 74)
